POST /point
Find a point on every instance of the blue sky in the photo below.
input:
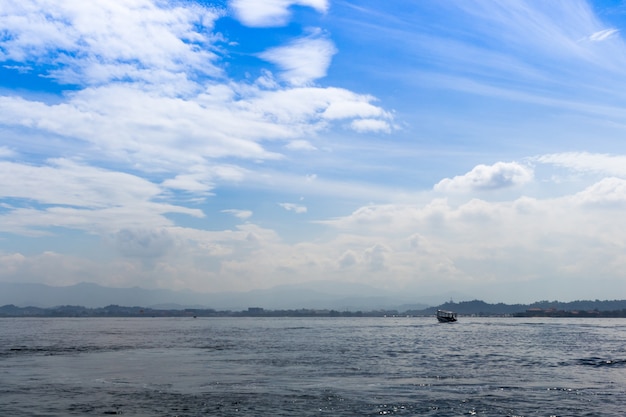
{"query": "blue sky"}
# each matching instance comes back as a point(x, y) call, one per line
point(232, 145)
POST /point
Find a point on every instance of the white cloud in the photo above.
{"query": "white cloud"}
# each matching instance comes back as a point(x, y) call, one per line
point(609, 192)
point(5, 152)
point(586, 162)
point(296, 208)
point(312, 109)
point(348, 259)
point(370, 125)
point(303, 60)
point(265, 13)
point(104, 40)
point(64, 193)
point(376, 257)
point(300, 145)
point(144, 243)
point(159, 132)
point(50, 268)
point(195, 183)
point(67, 183)
point(572, 237)
point(346, 104)
point(603, 35)
point(487, 177)
point(159, 119)
point(551, 30)
point(22, 69)
point(200, 179)
point(420, 246)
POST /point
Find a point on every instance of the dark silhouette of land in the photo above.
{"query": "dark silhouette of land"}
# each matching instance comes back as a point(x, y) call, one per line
point(582, 308)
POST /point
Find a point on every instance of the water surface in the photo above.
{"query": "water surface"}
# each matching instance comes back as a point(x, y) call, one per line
point(312, 367)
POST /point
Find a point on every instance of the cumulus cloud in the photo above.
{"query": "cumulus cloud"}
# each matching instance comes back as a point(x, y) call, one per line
point(487, 177)
point(348, 259)
point(106, 41)
point(376, 257)
point(142, 243)
point(419, 243)
point(265, 13)
point(50, 267)
point(303, 60)
point(609, 192)
point(573, 236)
point(422, 244)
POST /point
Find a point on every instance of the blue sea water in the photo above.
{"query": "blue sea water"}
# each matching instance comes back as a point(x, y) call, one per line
point(312, 367)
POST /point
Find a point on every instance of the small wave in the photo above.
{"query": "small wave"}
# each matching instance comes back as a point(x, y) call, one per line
point(216, 347)
point(58, 350)
point(601, 362)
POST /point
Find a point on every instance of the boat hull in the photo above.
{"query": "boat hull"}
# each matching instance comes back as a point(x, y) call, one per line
point(446, 316)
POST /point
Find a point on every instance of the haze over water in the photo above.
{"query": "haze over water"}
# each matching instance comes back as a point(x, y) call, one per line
point(312, 367)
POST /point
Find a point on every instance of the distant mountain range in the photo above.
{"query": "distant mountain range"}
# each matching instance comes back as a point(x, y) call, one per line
point(586, 308)
point(320, 295)
point(312, 295)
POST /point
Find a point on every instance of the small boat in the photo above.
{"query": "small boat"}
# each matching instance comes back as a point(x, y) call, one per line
point(446, 316)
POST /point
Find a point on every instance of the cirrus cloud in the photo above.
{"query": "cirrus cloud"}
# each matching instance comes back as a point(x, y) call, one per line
point(603, 35)
point(586, 162)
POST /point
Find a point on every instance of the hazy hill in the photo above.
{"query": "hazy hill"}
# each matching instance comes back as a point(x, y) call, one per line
point(314, 295)
point(478, 307)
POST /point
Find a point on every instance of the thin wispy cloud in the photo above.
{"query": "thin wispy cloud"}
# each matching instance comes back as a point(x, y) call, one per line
point(5, 152)
point(240, 214)
point(296, 208)
point(303, 60)
point(585, 161)
point(603, 35)
point(300, 145)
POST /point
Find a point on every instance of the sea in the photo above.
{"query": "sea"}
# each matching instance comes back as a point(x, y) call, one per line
point(385, 366)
